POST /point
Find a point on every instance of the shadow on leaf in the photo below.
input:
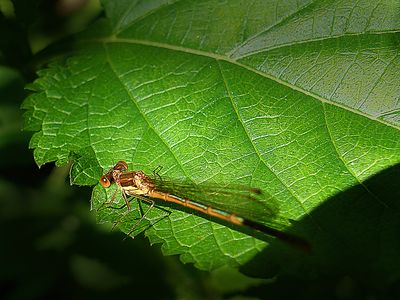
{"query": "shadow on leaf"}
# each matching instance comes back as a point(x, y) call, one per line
point(355, 235)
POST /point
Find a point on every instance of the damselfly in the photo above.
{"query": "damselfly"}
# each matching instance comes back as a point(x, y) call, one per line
point(237, 205)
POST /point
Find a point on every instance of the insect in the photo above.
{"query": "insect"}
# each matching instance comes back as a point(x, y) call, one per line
point(236, 205)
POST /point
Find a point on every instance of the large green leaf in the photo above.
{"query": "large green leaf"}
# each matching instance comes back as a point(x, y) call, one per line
point(297, 98)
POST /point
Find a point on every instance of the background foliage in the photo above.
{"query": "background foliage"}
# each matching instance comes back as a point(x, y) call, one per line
point(300, 99)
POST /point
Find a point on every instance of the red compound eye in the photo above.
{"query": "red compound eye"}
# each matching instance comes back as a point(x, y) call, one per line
point(104, 181)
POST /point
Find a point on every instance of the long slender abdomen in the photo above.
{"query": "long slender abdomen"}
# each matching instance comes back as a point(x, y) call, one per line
point(208, 210)
point(292, 240)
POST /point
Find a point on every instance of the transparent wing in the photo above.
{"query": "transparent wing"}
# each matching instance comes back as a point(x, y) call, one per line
point(249, 203)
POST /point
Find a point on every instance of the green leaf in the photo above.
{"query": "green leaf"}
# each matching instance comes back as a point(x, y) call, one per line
point(297, 98)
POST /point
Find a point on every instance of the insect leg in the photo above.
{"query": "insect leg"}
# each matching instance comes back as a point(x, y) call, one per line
point(143, 216)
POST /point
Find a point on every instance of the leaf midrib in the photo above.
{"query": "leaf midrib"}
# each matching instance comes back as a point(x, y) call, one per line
point(226, 59)
point(217, 57)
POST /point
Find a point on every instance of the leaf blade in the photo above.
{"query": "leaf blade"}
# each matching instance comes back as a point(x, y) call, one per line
point(154, 93)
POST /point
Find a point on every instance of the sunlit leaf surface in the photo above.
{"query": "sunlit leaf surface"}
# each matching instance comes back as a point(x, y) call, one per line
point(298, 98)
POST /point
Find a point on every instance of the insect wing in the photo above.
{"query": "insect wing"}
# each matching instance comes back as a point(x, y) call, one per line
point(250, 203)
